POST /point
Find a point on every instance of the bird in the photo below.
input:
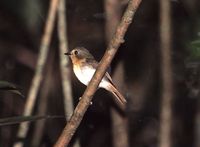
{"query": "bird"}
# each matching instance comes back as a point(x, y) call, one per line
point(84, 67)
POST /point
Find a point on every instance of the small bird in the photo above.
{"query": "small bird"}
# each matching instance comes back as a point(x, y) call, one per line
point(84, 67)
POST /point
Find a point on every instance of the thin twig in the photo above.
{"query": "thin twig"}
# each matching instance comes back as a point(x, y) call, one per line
point(166, 67)
point(46, 92)
point(113, 10)
point(84, 103)
point(44, 48)
point(64, 63)
point(119, 122)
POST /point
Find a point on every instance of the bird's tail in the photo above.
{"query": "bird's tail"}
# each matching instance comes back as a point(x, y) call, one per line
point(119, 98)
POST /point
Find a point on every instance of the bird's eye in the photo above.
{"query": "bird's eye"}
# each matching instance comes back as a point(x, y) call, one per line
point(76, 52)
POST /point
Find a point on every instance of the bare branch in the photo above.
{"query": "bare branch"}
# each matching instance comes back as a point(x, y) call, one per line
point(119, 122)
point(113, 11)
point(166, 67)
point(84, 103)
point(64, 62)
point(44, 49)
point(48, 83)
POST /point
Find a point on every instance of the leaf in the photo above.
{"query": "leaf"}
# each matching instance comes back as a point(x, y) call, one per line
point(4, 85)
point(196, 43)
point(20, 119)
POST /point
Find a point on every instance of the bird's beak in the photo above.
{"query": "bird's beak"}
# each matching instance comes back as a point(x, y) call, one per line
point(68, 54)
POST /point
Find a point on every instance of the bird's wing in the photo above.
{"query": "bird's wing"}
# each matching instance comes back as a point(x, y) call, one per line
point(94, 64)
point(91, 62)
point(109, 78)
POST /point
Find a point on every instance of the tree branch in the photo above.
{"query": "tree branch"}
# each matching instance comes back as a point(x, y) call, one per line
point(64, 63)
point(84, 103)
point(113, 11)
point(166, 70)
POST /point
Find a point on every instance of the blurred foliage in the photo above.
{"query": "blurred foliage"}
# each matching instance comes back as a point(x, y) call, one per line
point(6, 86)
point(195, 49)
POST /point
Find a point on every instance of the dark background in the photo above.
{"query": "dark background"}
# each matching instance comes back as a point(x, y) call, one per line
point(21, 27)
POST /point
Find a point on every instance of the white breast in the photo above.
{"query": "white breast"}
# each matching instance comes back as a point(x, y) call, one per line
point(85, 74)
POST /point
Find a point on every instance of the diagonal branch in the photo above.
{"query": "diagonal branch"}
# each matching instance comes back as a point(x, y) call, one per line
point(84, 103)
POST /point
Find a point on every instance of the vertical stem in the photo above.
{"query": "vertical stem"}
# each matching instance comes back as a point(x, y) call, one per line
point(44, 49)
point(42, 106)
point(119, 122)
point(166, 67)
point(113, 13)
point(64, 63)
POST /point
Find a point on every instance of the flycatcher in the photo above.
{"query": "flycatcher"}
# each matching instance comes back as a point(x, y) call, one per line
point(84, 67)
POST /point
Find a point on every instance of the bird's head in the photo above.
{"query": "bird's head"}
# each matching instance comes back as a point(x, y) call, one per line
point(79, 53)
